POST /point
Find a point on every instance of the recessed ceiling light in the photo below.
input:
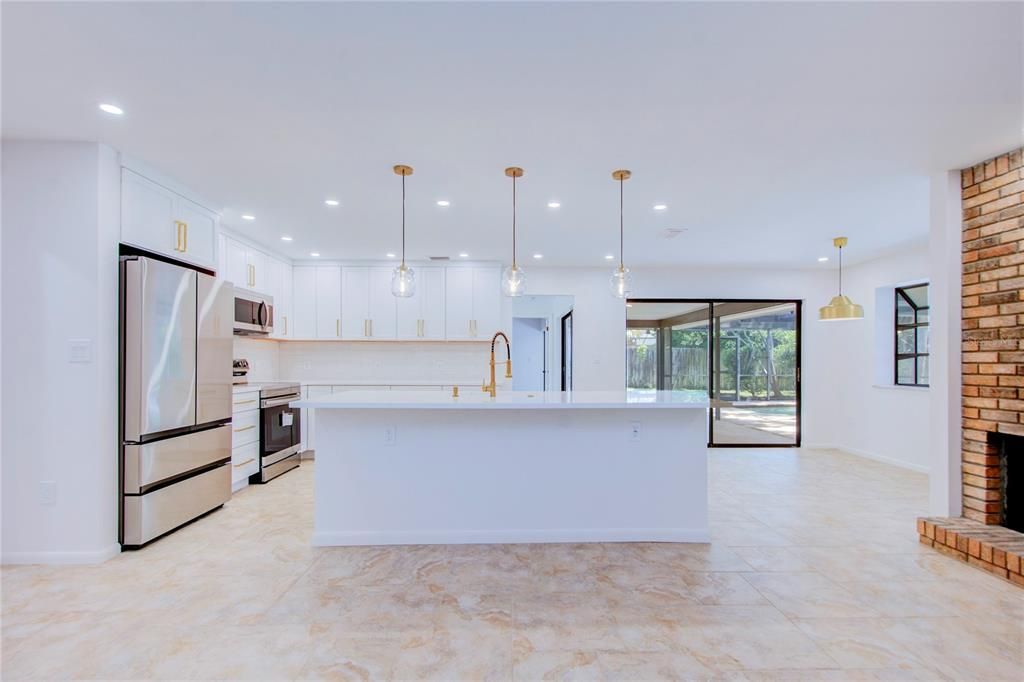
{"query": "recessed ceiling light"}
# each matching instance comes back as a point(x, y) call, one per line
point(443, 202)
point(538, 256)
point(111, 109)
point(315, 254)
point(331, 202)
point(390, 255)
point(286, 239)
point(660, 207)
point(463, 255)
point(246, 216)
point(609, 257)
point(554, 204)
point(823, 259)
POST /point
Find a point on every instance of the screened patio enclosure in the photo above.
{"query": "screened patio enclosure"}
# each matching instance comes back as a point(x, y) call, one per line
point(743, 354)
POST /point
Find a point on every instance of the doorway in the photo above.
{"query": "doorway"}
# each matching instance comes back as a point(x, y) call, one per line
point(742, 354)
point(542, 342)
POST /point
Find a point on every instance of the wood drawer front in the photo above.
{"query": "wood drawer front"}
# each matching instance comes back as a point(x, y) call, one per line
point(245, 461)
point(245, 428)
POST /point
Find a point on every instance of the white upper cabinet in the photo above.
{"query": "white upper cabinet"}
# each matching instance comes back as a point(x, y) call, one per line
point(246, 267)
point(382, 304)
point(159, 219)
point(367, 304)
point(234, 264)
point(421, 316)
point(472, 302)
point(279, 285)
point(328, 302)
point(303, 302)
point(315, 302)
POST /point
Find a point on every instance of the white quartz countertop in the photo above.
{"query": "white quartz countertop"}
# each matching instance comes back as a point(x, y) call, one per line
point(507, 400)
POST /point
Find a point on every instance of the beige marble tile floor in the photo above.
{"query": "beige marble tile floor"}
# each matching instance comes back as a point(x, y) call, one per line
point(814, 572)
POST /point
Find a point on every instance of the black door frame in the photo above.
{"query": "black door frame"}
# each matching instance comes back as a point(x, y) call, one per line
point(567, 318)
point(711, 381)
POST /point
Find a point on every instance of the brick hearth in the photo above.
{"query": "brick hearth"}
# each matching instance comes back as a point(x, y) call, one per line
point(993, 363)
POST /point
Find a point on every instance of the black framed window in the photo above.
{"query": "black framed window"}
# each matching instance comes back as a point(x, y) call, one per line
point(912, 335)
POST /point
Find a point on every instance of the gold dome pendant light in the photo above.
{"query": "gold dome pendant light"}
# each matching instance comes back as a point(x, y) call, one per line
point(840, 307)
point(513, 280)
point(403, 279)
point(622, 279)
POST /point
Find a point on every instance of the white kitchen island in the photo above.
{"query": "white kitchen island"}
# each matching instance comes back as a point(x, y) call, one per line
point(416, 467)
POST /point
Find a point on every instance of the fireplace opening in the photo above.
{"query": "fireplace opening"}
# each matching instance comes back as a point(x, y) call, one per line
point(1011, 473)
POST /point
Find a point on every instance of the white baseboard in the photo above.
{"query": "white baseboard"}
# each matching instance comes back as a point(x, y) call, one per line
point(523, 536)
point(62, 558)
point(920, 468)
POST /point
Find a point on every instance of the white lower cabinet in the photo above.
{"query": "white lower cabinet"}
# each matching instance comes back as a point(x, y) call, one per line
point(245, 437)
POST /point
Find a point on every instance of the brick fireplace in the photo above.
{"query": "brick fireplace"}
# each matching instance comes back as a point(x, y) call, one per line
point(993, 372)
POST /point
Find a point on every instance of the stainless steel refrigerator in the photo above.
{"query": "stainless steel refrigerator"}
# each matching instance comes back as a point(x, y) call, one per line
point(176, 352)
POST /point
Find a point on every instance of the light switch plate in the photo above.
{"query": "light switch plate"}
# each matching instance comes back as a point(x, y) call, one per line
point(80, 350)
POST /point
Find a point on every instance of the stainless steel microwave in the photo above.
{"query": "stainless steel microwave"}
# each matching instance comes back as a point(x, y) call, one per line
point(254, 314)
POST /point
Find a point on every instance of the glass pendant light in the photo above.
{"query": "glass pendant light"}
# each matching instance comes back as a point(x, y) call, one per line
point(840, 307)
point(403, 279)
point(513, 280)
point(622, 280)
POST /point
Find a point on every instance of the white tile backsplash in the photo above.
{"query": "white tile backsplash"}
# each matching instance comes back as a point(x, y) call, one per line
point(361, 361)
point(262, 355)
point(384, 361)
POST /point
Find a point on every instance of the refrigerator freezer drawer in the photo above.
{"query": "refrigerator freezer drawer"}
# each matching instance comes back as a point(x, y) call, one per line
point(151, 515)
point(148, 464)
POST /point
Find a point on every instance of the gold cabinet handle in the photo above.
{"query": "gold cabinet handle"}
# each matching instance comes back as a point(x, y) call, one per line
point(419, 327)
point(371, 327)
point(245, 428)
point(184, 245)
point(285, 325)
point(337, 327)
point(366, 329)
point(242, 464)
point(245, 402)
point(180, 244)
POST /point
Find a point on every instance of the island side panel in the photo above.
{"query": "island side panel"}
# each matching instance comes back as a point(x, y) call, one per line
point(483, 476)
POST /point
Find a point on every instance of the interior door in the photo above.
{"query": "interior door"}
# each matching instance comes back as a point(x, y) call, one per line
point(214, 348)
point(160, 347)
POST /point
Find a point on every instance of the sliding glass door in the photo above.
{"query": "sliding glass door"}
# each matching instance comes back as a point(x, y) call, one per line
point(756, 371)
point(744, 355)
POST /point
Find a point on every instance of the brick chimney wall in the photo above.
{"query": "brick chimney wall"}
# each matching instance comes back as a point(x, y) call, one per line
point(993, 324)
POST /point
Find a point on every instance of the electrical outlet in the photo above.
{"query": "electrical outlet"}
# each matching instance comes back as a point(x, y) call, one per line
point(48, 493)
point(390, 435)
point(634, 431)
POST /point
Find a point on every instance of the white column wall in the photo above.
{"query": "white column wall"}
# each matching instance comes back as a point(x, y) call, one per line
point(61, 205)
point(946, 244)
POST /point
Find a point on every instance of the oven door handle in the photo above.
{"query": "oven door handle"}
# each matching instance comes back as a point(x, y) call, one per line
point(277, 402)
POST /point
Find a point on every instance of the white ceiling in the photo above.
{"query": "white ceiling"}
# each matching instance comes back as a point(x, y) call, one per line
point(767, 129)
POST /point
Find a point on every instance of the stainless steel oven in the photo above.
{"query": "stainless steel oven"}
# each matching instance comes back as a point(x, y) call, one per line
point(254, 314)
point(280, 431)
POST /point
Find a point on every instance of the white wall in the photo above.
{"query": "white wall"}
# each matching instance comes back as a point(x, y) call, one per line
point(60, 226)
point(875, 418)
